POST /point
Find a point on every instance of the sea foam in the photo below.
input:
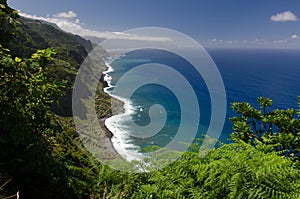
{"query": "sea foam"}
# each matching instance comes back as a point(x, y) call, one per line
point(117, 123)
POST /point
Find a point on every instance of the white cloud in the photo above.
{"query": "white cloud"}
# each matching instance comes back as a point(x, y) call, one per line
point(32, 16)
point(289, 42)
point(284, 16)
point(294, 37)
point(281, 41)
point(68, 15)
point(292, 41)
point(68, 22)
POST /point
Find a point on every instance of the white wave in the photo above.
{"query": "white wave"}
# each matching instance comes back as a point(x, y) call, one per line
point(109, 68)
point(107, 78)
point(116, 124)
point(121, 139)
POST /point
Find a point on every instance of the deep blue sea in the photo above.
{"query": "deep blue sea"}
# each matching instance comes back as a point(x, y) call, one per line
point(247, 74)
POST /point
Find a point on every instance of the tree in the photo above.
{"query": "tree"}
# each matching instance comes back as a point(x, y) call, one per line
point(8, 23)
point(274, 129)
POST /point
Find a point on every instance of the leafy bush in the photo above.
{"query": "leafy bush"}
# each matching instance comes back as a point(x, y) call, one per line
point(231, 171)
point(277, 129)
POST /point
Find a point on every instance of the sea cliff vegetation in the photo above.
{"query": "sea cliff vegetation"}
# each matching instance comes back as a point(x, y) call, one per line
point(40, 156)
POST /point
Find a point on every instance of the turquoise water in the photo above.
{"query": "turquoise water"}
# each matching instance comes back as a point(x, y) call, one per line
point(247, 74)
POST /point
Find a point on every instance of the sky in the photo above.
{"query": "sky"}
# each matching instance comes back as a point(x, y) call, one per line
point(213, 23)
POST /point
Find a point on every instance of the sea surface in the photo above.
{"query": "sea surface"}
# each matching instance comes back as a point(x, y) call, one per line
point(247, 74)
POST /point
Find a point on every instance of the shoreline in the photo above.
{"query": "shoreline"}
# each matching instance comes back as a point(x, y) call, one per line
point(116, 110)
point(109, 145)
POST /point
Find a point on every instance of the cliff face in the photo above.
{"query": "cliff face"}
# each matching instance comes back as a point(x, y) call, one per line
point(71, 52)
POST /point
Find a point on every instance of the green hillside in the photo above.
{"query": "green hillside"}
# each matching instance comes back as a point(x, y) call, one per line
point(71, 51)
point(39, 154)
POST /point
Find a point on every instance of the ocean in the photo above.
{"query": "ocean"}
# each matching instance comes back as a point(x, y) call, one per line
point(247, 74)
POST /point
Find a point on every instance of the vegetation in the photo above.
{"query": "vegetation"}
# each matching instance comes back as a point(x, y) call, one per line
point(231, 171)
point(40, 156)
point(277, 129)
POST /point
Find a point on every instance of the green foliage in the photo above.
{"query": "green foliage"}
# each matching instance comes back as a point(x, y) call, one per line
point(8, 23)
point(26, 124)
point(39, 154)
point(231, 171)
point(26, 95)
point(32, 35)
point(240, 171)
point(37, 149)
point(277, 129)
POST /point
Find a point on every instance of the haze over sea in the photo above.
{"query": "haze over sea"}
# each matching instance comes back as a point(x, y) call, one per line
point(247, 75)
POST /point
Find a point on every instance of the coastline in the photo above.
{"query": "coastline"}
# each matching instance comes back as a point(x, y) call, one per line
point(114, 143)
point(109, 145)
point(118, 108)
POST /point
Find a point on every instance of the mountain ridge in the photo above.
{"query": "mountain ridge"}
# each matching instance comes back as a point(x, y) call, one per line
point(71, 51)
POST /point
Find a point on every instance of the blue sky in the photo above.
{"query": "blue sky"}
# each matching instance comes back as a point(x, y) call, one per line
point(220, 23)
